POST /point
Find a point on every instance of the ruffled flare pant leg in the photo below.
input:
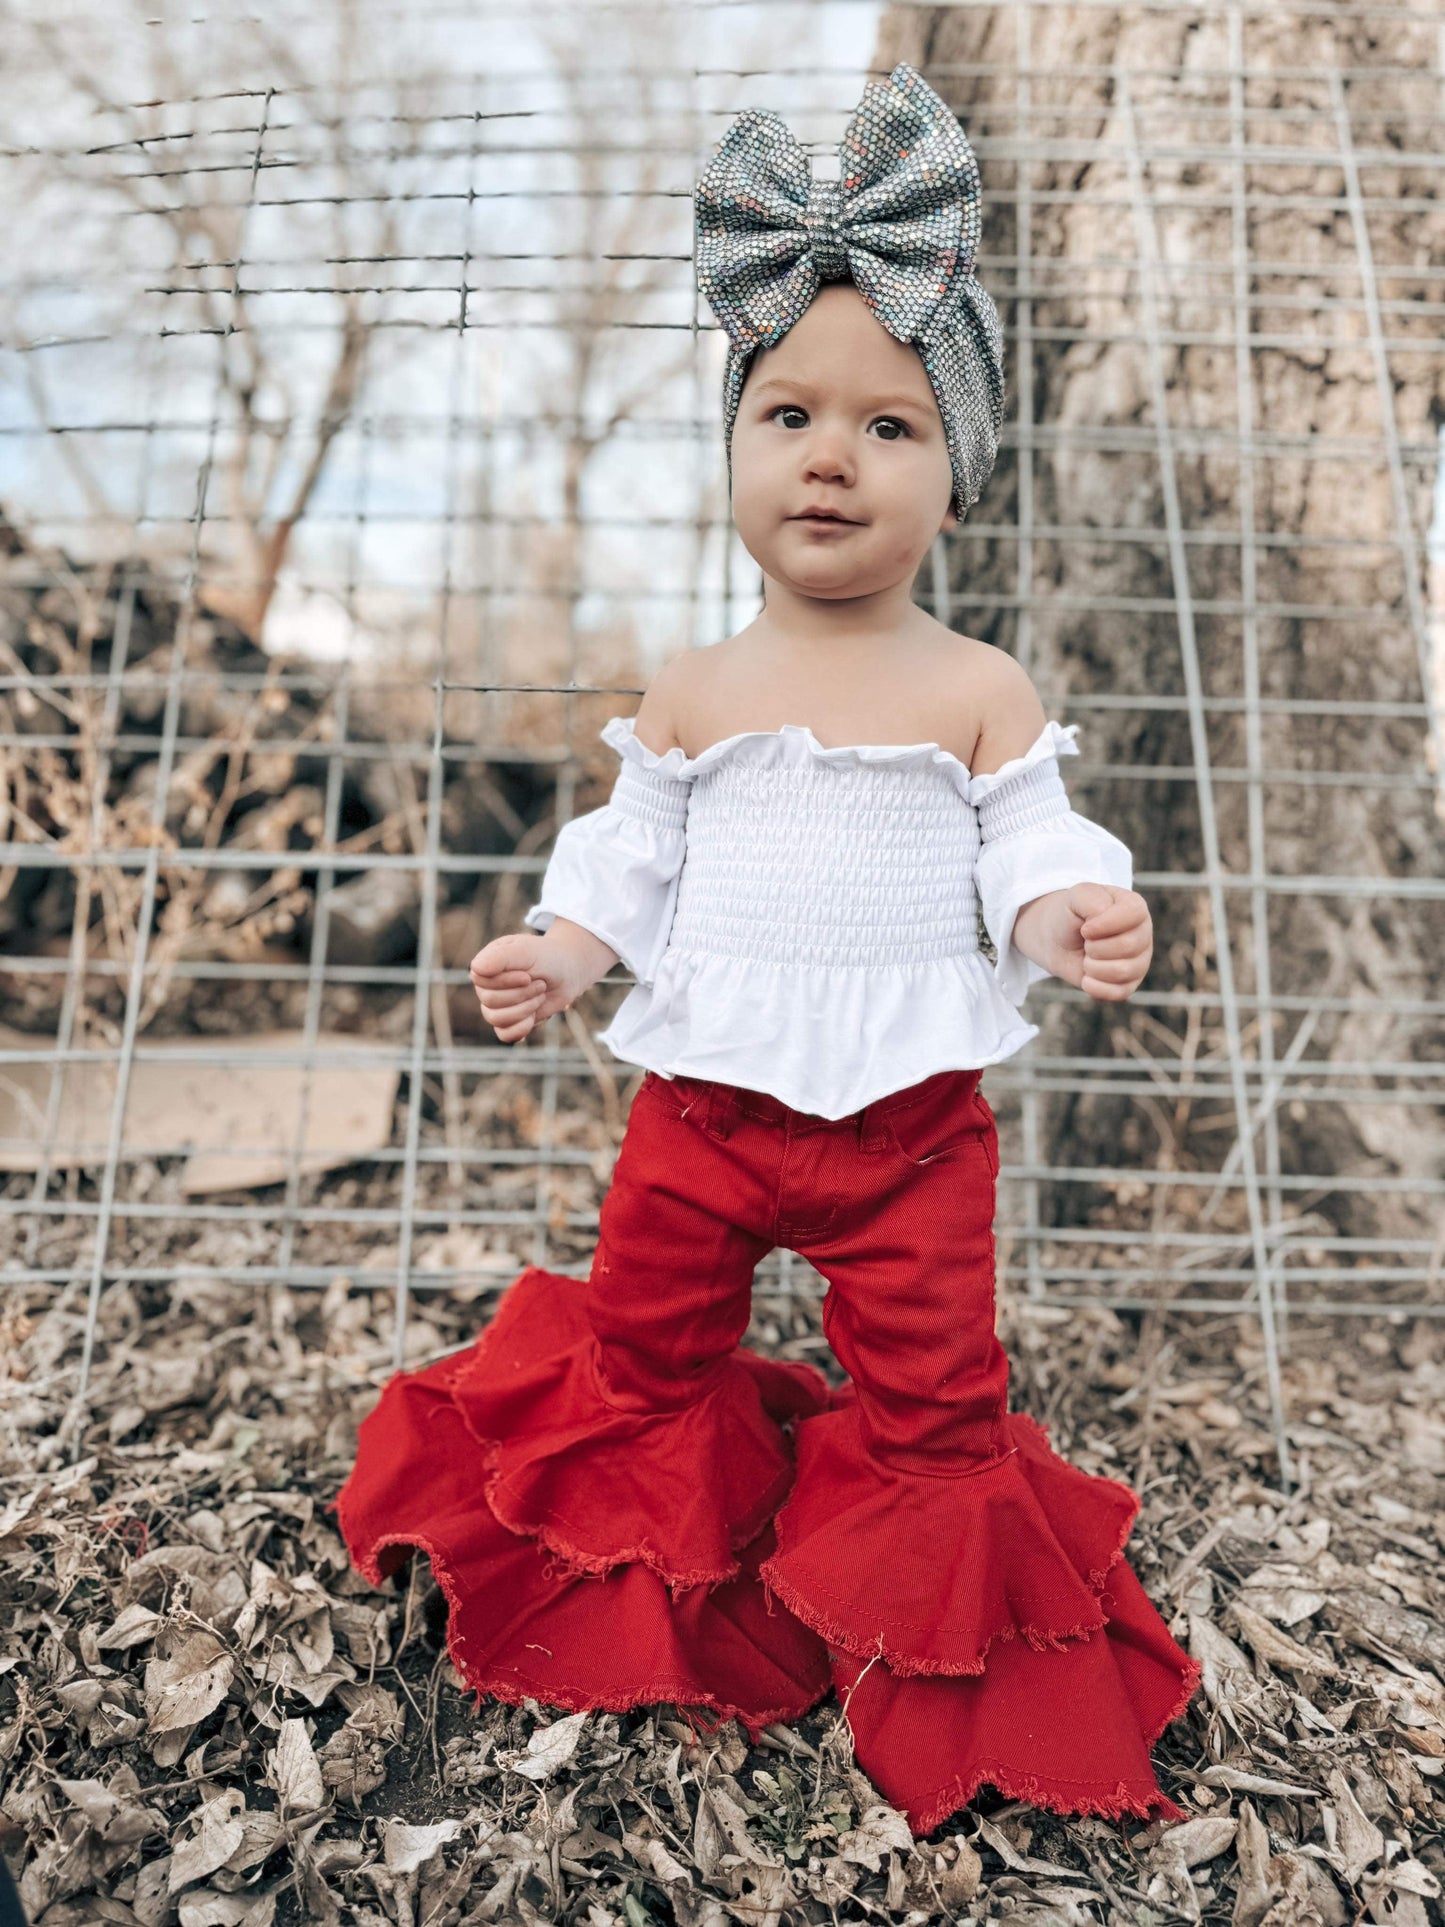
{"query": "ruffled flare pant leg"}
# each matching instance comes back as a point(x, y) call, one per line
point(982, 1622)
point(595, 1479)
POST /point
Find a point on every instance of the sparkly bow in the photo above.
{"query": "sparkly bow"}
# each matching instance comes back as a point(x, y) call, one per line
point(902, 222)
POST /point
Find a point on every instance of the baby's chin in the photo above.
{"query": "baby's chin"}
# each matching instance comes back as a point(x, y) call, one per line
point(830, 585)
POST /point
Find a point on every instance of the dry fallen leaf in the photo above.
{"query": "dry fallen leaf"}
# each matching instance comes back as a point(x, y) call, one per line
point(293, 1768)
point(133, 1626)
point(1283, 1593)
point(881, 1828)
point(1022, 1862)
point(1238, 1781)
point(550, 1748)
point(959, 1882)
point(184, 1688)
point(1277, 1648)
point(1349, 1829)
point(217, 1836)
point(406, 1848)
point(1227, 1679)
point(227, 1910)
point(1194, 1841)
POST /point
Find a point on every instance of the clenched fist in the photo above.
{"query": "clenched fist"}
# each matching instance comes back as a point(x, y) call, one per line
point(1094, 935)
point(520, 980)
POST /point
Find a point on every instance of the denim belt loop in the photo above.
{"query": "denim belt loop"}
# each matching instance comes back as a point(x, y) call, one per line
point(872, 1130)
point(717, 1112)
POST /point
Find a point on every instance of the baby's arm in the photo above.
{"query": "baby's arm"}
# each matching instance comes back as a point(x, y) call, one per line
point(612, 868)
point(1056, 888)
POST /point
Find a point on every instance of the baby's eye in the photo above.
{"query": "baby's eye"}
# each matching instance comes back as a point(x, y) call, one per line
point(887, 421)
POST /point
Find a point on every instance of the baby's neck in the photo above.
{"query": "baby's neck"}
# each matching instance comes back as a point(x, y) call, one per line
point(810, 624)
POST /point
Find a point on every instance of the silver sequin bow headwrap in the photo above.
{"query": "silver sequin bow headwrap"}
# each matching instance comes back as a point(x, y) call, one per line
point(902, 223)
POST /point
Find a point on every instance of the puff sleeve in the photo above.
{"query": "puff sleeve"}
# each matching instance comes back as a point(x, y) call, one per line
point(615, 869)
point(1031, 843)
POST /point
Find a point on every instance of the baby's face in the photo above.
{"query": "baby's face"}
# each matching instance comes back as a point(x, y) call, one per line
point(840, 415)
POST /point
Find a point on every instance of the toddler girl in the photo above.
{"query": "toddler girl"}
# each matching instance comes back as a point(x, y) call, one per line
point(622, 1503)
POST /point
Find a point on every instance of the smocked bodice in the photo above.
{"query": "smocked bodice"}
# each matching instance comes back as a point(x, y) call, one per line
point(804, 920)
point(827, 863)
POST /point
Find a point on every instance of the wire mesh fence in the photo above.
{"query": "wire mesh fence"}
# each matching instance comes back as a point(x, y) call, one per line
point(362, 456)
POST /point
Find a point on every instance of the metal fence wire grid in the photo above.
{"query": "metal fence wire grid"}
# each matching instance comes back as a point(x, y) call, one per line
point(362, 456)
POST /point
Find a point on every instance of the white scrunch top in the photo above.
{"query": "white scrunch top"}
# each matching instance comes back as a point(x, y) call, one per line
point(804, 921)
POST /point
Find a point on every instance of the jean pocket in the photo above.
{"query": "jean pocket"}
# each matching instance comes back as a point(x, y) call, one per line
point(672, 1093)
point(943, 1129)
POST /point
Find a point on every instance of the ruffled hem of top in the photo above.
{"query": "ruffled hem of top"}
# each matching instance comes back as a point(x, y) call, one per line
point(796, 741)
point(685, 1021)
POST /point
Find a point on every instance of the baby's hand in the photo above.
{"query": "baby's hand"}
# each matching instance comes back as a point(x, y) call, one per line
point(521, 980)
point(1095, 935)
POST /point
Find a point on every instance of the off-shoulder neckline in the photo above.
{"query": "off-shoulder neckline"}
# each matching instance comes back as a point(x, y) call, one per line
point(620, 733)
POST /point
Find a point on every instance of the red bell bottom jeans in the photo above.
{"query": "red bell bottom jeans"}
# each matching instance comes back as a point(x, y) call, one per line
point(624, 1504)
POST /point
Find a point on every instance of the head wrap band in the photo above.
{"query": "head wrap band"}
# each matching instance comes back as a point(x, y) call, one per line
point(902, 223)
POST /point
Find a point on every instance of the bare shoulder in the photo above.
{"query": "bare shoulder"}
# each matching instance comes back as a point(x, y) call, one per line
point(664, 707)
point(694, 688)
point(989, 697)
point(1010, 713)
